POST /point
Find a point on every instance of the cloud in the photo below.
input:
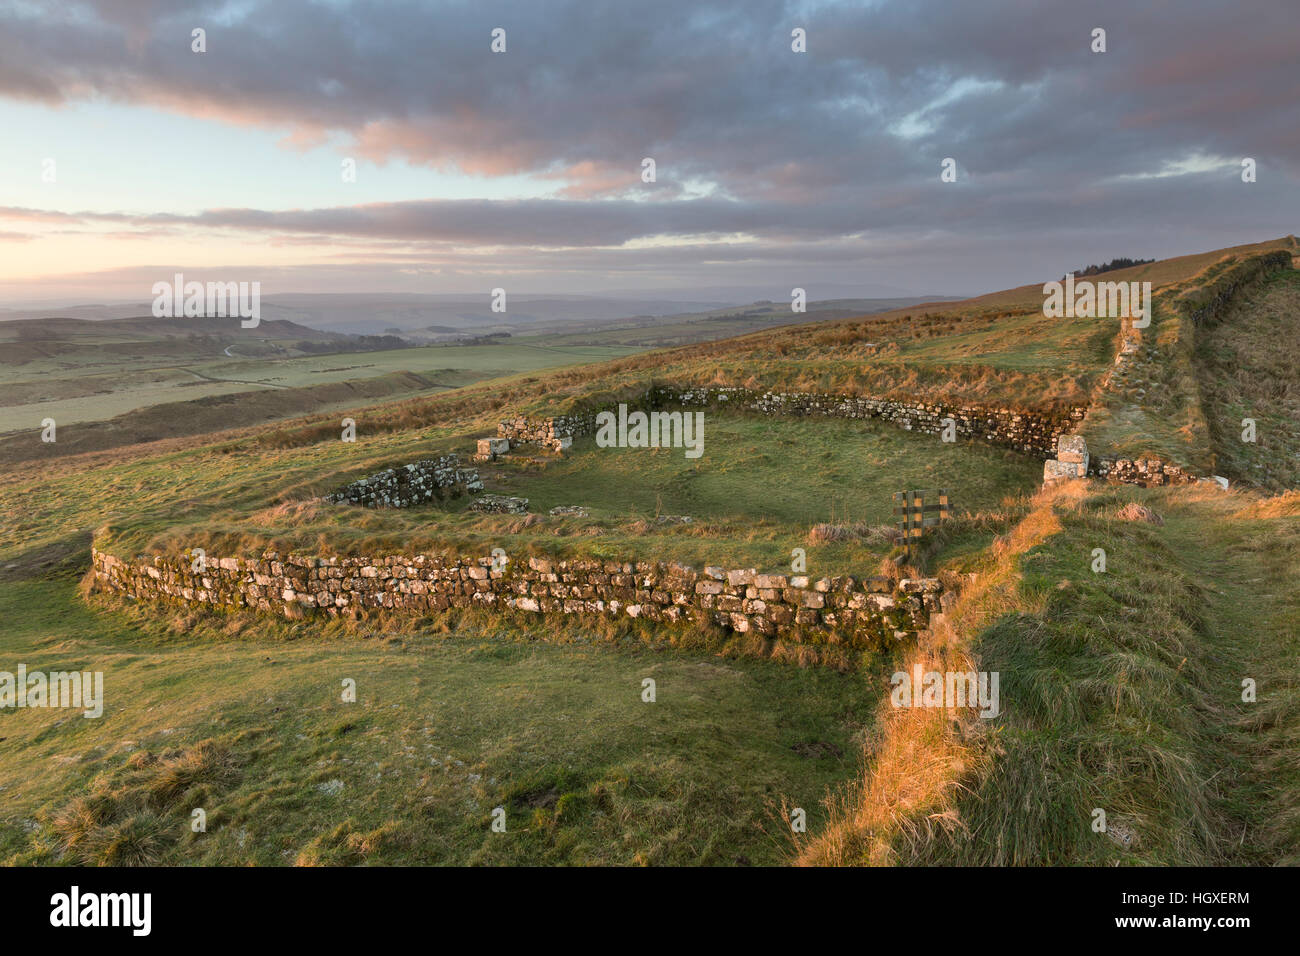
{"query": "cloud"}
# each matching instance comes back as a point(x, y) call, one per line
point(841, 144)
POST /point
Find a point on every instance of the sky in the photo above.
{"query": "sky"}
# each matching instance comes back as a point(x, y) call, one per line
point(127, 156)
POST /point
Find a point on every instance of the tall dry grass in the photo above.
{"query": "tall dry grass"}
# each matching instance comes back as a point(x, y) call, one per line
point(914, 770)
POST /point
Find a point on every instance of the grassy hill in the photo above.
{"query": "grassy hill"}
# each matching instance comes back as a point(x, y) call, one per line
point(1121, 689)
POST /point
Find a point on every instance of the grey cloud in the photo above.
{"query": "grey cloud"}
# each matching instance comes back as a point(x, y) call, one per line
point(800, 148)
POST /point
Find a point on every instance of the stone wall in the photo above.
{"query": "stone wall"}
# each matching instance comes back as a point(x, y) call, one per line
point(1148, 472)
point(1031, 432)
point(420, 481)
point(547, 432)
point(499, 505)
point(840, 610)
point(1073, 461)
point(1207, 303)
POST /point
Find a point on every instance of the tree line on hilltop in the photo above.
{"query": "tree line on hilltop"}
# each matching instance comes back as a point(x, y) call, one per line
point(1114, 264)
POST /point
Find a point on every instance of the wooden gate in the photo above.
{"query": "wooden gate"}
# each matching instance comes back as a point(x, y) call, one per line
point(918, 510)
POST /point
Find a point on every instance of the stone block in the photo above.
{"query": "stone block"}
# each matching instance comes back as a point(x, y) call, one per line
point(1073, 449)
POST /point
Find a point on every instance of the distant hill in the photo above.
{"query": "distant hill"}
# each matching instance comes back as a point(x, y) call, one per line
point(54, 327)
point(434, 317)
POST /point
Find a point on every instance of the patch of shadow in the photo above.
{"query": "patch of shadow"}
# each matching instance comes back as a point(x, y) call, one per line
point(537, 799)
point(817, 748)
point(68, 555)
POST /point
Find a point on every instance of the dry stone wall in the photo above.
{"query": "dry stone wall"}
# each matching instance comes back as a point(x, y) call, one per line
point(1200, 306)
point(547, 432)
point(1148, 472)
point(500, 505)
point(1207, 304)
point(1073, 461)
point(418, 482)
point(1031, 432)
point(842, 610)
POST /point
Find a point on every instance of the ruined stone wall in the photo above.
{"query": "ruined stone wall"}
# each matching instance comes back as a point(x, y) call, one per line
point(1200, 306)
point(1148, 472)
point(1208, 303)
point(1030, 432)
point(1073, 461)
point(418, 482)
point(547, 432)
point(840, 610)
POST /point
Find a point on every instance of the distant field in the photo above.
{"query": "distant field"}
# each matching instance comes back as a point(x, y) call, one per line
point(666, 331)
point(482, 361)
point(95, 395)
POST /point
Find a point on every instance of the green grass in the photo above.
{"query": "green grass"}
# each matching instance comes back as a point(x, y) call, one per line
point(1122, 691)
point(1245, 374)
point(753, 496)
point(1025, 343)
point(243, 718)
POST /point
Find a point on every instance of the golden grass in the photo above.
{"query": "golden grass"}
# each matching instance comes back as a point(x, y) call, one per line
point(133, 814)
point(913, 772)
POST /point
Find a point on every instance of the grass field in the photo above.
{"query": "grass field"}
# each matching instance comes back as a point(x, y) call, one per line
point(1120, 690)
point(446, 727)
point(108, 389)
point(752, 497)
point(1143, 716)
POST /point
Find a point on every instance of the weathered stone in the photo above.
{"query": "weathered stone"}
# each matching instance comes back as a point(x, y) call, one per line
point(499, 504)
point(842, 610)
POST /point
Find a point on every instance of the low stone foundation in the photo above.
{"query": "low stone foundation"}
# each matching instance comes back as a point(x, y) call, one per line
point(839, 610)
point(500, 505)
point(1148, 472)
point(1073, 461)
